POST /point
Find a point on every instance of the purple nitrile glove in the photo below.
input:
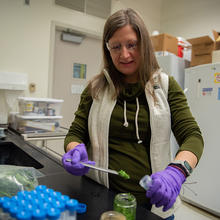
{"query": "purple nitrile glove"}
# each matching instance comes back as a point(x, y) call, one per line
point(71, 160)
point(165, 188)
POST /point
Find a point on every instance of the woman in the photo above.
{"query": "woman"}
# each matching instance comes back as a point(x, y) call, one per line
point(125, 117)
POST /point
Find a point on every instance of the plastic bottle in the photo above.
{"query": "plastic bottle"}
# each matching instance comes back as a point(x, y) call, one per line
point(40, 188)
point(39, 214)
point(145, 182)
point(34, 193)
point(81, 208)
point(61, 206)
point(1, 209)
point(13, 212)
point(15, 199)
point(70, 212)
point(23, 215)
point(22, 194)
point(56, 194)
point(64, 198)
point(6, 206)
point(53, 213)
point(40, 204)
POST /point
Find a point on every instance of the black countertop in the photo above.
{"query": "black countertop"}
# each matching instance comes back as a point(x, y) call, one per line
point(98, 198)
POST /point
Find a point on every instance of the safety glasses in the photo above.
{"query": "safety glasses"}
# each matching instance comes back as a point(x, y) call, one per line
point(117, 47)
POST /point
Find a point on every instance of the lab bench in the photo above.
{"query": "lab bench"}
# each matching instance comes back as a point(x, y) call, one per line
point(98, 198)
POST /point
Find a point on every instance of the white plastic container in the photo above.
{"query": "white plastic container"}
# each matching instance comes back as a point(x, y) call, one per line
point(36, 124)
point(145, 182)
point(12, 85)
point(39, 106)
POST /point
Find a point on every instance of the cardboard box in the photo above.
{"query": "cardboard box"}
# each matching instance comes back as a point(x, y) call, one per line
point(216, 56)
point(217, 39)
point(202, 48)
point(165, 42)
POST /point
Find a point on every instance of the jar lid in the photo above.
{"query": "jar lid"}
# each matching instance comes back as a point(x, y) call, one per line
point(112, 215)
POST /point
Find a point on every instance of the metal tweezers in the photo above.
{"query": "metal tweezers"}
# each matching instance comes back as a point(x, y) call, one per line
point(97, 168)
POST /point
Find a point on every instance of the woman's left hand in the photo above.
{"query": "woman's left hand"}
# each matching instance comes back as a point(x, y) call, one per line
point(165, 188)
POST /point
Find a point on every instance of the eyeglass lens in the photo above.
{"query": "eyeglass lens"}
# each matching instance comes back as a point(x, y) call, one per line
point(116, 47)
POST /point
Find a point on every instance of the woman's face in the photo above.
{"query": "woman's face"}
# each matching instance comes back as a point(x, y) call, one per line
point(125, 52)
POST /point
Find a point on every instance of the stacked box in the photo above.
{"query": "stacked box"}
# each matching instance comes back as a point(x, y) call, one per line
point(202, 48)
point(165, 43)
point(216, 52)
point(217, 39)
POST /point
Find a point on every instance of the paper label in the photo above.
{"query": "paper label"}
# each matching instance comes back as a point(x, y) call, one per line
point(77, 89)
point(207, 91)
point(79, 70)
point(217, 77)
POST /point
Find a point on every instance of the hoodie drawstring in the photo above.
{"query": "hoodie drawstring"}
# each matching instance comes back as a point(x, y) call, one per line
point(136, 120)
point(125, 116)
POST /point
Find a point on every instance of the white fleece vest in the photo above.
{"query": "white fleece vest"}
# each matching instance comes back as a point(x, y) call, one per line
point(160, 122)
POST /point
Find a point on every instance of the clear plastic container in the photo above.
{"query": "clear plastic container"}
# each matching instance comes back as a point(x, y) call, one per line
point(126, 204)
point(145, 182)
point(39, 106)
point(37, 124)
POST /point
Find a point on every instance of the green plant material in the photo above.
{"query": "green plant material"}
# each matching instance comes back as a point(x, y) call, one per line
point(125, 203)
point(15, 179)
point(123, 174)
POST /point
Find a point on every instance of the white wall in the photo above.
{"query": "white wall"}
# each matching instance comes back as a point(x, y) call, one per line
point(190, 18)
point(26, 34)
point(25, 38)
point(150, 10)
point(26, 43)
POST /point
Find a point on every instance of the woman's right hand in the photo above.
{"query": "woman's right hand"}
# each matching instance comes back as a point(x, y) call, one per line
point(71, 160)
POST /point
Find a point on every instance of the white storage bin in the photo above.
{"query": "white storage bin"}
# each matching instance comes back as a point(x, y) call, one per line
point(37, 124)
point(39, 106)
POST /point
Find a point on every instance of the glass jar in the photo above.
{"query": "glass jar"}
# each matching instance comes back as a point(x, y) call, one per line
point(126, 204)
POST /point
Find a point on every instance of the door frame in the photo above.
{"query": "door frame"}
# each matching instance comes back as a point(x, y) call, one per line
point(63, 27)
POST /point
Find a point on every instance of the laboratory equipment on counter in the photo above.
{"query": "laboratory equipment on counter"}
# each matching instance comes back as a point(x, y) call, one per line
point(203, 83)
point(37, 115)
point(39, 106)
point(26, 124)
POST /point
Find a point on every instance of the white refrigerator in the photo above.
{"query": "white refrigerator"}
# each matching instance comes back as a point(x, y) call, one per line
point(174, 66)
point(202, 188)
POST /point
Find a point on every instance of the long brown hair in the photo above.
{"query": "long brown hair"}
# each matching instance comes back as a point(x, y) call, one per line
point(148, 64)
